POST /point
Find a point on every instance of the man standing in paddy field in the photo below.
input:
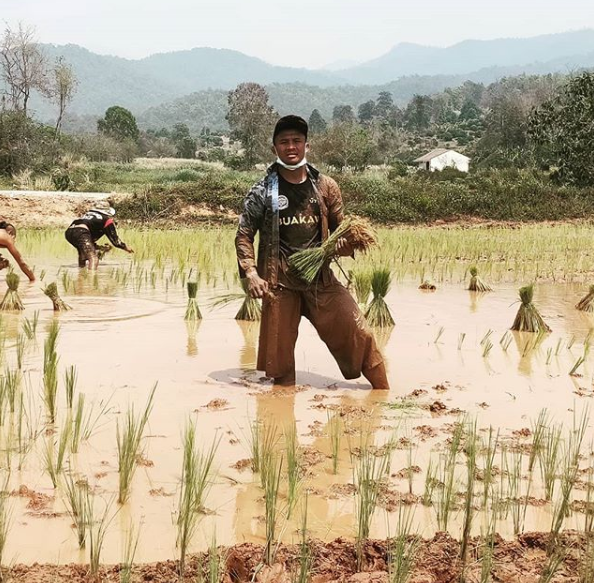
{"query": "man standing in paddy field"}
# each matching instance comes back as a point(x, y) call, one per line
point(294, 207)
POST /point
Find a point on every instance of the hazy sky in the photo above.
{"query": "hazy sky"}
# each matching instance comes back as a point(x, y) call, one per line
point(307, 33)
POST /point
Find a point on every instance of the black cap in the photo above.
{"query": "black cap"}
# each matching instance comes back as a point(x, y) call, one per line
point(290, 122)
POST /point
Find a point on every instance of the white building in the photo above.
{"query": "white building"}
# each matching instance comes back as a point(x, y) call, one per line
point(441, 158)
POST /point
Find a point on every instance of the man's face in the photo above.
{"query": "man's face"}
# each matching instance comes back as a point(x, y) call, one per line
point(290, 146)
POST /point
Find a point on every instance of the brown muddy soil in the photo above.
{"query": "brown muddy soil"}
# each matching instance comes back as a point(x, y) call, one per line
point(437, 561)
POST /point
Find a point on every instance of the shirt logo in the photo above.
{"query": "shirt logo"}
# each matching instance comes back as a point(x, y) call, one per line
point(283, 202)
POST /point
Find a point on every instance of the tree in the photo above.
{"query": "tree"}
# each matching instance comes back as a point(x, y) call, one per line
point(118, 123)
point(366, 112)
point(62, 88)
point(185, 145)
point(251, 119)
point(384, 105)
point(346, 145)
point(418, 113)
point(562, 129)
point(317, 124)
point(469, 111)
point(24, 67)
point(343, 114)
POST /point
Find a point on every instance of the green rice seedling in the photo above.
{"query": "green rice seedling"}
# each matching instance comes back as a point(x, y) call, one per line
point(359, 234)
point(378, 314)
point(97, 531)
point(250, 309)
point(187, 511)
point(439, 334)
point(461, 339)
point(12, 301)
point(129, 553)
point(54, 461)
point(528, 319)
point(558, 346)
point(403, 548)
point(51, 291)
point(272, 469)
point(489, 450)
point(549, 459)
point(192, 310)
point(293, 457)
point(361, 279)
point(549, 356)
point(335, 431)
point(552, 565)
point(27, 432)
point(476, 283)
point(268, 441)
point(471, 450)
point(486, 337)
point(539, 430)
point(12, 384)
point(487, 348)
point(446, 494)
point(305, 558)
point(50, 371)
point(21, 344)
point(370, 470)
point(254, 439)
point(30, 325)
point(216, 561)
point(76, 495)
point(128, 440)
point(431, 482)
point(70, 378)
point(576, 365)
point(571, 342)
point(586, 561)
point(586, 304)
point(505, 341)
point(488, 547)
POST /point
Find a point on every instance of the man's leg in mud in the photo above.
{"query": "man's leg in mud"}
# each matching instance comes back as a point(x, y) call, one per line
point(341, 325)
point(281, 312)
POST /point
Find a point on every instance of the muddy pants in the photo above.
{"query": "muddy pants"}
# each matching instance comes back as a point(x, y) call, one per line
point(81, 239)
point(336, 317)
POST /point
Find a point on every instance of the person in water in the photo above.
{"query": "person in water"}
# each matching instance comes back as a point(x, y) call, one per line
point(7, 241)
point(84, 232)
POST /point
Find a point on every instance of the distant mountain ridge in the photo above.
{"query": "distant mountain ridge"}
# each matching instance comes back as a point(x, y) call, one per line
point(160, 79)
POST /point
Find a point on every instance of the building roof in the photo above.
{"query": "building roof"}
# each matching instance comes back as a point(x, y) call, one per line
point(435, 153)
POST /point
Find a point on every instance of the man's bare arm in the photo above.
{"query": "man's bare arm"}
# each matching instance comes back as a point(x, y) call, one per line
point(19, 259)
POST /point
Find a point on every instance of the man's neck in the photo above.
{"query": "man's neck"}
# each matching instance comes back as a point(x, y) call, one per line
point(294, 176)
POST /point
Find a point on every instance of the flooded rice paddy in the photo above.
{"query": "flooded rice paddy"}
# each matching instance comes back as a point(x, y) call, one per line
point(450, 357)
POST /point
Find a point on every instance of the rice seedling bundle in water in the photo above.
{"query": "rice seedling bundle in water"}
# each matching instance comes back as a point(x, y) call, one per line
point(528, 319)
point(586, 304)
point(359, 234)
point(51, 291)
point(476, 283)
point(362, 286)
point(250, 309)
point(11, 300)
point(192, 311)
point(378, 313)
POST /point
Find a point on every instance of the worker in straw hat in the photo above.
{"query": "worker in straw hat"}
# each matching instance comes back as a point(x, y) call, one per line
point(295, 207)
point(83, 234)
point(8, 241)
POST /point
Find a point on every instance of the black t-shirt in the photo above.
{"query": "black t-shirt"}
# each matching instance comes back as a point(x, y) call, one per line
point(299, 224)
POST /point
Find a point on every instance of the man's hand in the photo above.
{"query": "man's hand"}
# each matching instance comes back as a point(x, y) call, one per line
point(128, 250)
point(257, 287)
point(343, 248)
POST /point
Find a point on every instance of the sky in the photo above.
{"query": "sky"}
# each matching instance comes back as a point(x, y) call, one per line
point(303, 33)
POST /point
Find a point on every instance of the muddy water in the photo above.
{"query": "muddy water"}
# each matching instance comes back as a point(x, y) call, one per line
point(123, 342)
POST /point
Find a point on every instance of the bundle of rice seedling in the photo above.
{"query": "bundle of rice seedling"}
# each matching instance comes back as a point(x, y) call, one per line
point(11, 300)
point(359, 234)
point(192, 311)
point(476, 283)
point(378, 313)
point(362, 286)
point(250, 309)
point(586, 304)
point(102, 250)
point(428, 286)
point(528, 319)
point(51, 291)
